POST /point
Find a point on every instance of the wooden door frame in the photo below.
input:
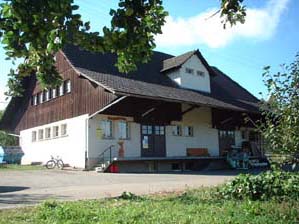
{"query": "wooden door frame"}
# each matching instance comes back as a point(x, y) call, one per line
point(153, 135)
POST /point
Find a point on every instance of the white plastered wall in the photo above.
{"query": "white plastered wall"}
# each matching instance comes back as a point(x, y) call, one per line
point(71, 148)
point(200, 119)
point(97, 144)
point(192, 81)
point(204, 135)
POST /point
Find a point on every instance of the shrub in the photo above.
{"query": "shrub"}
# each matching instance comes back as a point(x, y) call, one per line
point(130, 196)
point(267, 185)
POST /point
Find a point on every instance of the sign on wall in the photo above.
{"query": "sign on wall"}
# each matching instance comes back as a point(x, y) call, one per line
point(145, 142)
point(99, 133)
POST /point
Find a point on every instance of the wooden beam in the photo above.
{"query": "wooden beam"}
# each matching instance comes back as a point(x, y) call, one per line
point(190, 109)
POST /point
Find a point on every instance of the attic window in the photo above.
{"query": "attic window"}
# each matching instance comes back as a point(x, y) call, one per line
point(200, 73)
point(190, 71)
point(34, 99)
point(54, 93)
point(40, 97)
point(60, 90)
point(67, 86)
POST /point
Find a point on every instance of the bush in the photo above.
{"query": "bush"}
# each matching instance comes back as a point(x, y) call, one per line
point(267, 185)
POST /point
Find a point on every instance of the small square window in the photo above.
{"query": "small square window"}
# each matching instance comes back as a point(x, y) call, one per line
point(177, 130)
point(147, 129)
point(106, 126)
point(33, 138)
point(40, 134)
point(188, 131)
point(159, 130)
point(63, 129)
point(200, 73)
point(190, 71)
point(48, 133)
point(55, 131)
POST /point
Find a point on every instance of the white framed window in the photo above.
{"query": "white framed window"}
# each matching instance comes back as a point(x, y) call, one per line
point(54, 93)
point(34, 100)
point(61, 90)
point(48, 133)
point(55, 131)
point(159, 130)
point(106, 126)
point(123, 129)
point(188, 131)
point(68, 86)
point(177, 130)
point(33, 136)
point(48, 95)
point(200, 73)
point(44, 94)
point(40, 97)
point(190, 71)
point(40, 134)
point(63, 129)
point(147, 129)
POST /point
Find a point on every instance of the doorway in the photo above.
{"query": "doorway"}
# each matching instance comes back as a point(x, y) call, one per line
point(226, 140)
point(153, 142)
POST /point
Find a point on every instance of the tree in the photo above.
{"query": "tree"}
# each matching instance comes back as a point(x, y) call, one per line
point(280, 125)
point(34, 30)
point(5, 139)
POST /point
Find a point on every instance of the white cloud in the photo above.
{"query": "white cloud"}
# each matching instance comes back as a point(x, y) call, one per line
point(260, 24)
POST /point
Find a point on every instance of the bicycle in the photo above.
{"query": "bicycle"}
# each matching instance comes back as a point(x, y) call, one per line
point(53, 162)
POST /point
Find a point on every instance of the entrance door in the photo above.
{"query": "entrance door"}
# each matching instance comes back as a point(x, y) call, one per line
point(226, 140)
point(153, 141)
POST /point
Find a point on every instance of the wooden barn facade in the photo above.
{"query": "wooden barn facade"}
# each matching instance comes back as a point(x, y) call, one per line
point(170, 111)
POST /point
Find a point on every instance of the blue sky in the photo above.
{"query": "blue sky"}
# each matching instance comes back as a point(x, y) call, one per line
point(270, 36)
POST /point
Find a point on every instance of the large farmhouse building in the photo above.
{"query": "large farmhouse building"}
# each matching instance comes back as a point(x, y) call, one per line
point(169, 114)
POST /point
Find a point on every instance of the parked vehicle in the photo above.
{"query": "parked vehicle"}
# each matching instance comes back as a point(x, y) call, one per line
point(11, 154)
point(55, 162)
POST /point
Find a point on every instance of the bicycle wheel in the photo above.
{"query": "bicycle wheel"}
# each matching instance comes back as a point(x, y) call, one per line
point(60, 164)
point(51, 164)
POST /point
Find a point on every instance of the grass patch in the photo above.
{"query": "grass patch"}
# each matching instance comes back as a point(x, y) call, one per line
point(16, 167)
point(196, 206)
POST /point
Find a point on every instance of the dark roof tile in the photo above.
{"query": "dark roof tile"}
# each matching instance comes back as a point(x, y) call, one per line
point(149, 81)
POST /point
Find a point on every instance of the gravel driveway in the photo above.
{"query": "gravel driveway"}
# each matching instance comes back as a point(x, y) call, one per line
point(19, 188)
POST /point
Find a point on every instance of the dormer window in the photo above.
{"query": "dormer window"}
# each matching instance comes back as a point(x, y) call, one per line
point(200, 73)
point(190, 71)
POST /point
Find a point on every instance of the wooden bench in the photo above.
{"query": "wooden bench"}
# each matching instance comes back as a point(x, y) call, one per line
point(197, 152)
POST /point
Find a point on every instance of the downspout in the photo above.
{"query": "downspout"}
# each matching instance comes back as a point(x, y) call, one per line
point(86, 143)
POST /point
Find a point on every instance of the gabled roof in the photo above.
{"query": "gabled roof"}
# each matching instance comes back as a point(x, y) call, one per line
point(228, 90)
point(176, 62)
point(149, 82)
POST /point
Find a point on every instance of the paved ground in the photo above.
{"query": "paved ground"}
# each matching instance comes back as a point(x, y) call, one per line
point(19, 188)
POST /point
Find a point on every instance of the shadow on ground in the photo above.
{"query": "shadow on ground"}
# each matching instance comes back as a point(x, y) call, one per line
point(6, 189)
point(227, 172)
